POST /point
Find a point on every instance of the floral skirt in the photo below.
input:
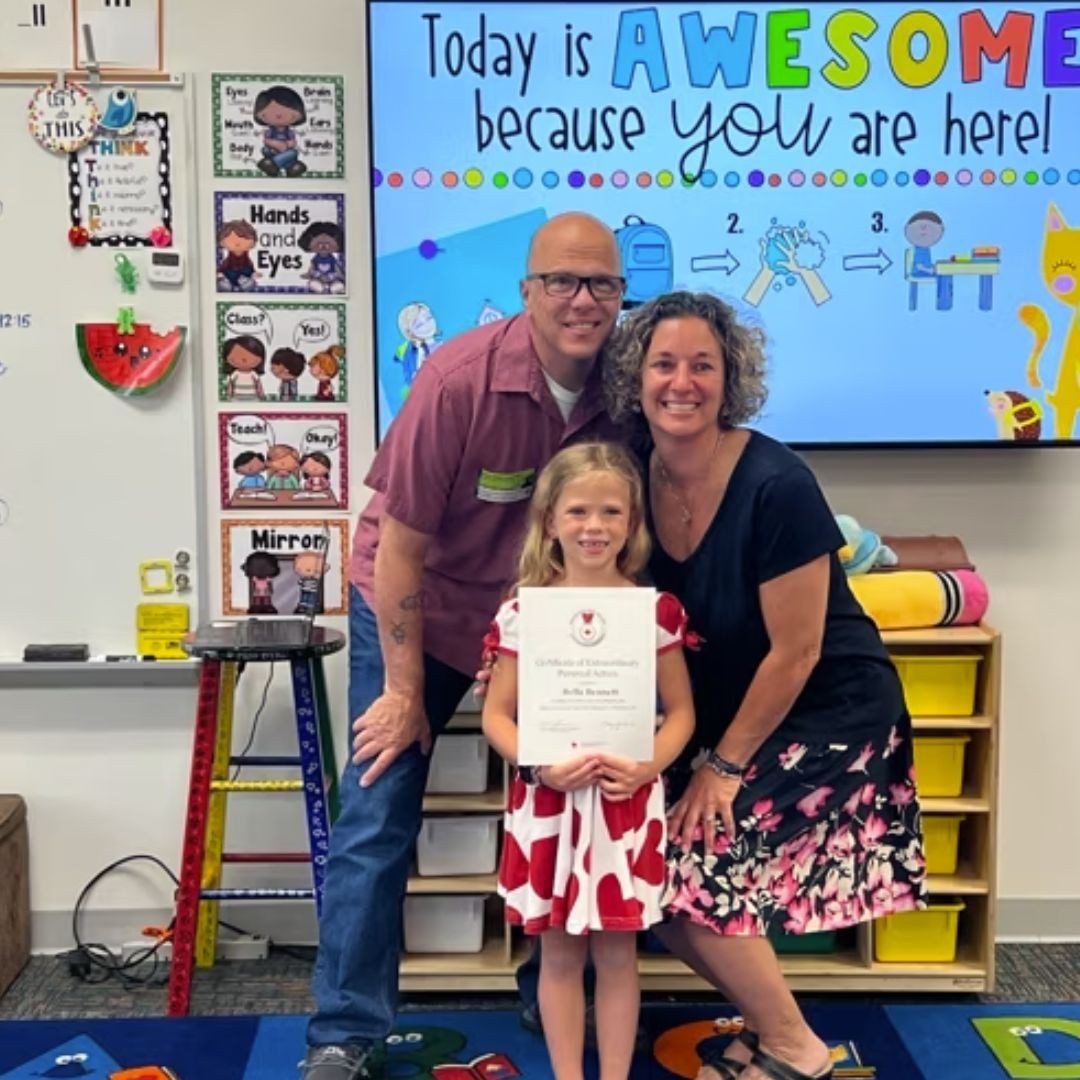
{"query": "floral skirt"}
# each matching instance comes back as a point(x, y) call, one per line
point(828, 835)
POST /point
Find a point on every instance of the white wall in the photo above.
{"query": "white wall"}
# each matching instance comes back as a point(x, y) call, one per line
point(105, 768)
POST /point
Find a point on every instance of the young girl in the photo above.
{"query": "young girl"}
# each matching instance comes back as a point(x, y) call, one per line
point(583, 857)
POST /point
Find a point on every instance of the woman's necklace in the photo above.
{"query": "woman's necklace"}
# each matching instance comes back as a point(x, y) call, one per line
point(686, 513)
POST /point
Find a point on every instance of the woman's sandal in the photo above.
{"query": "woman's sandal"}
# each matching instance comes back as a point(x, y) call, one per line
point(728, 1068)
point(776, 1069)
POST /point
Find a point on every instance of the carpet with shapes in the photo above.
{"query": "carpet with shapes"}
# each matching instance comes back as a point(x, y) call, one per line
point(886, 1042)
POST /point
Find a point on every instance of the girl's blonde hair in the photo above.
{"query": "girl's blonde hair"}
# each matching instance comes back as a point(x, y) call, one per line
point(541, 559)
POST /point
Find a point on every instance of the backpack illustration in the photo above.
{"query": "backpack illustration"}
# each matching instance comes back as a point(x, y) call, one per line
point(648, 262)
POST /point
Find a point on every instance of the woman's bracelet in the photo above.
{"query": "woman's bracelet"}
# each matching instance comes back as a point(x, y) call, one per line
point(722, 767)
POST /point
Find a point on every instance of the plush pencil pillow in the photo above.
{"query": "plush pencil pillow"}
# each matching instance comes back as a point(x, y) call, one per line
point(910, 599)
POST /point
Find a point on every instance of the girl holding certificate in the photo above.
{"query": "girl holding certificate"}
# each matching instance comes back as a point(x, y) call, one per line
point(583, 856)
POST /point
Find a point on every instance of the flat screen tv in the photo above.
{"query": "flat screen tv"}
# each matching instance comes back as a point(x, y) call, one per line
point(891, 190)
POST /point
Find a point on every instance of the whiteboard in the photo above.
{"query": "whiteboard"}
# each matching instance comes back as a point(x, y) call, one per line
point(92, 483)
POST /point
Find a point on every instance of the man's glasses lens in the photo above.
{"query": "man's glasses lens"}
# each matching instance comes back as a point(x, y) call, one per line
point(566, 285)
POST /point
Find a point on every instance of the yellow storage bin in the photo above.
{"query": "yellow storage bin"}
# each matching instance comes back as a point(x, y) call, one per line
point(926, 937)
point(941, 837)
point(938, 684)
point(939, 764)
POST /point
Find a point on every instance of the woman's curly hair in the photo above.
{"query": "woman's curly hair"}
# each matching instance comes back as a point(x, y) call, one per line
point(743, 349)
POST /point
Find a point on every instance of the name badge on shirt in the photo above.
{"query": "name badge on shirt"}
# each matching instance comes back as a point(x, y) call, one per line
point(505, 487)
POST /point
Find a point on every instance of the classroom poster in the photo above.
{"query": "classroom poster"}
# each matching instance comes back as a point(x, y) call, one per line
point(891, 191)
point(277, 242)
point(283, 461)
point(120, 185)
point(281, 352)
point(284, 126)
point(265, 561)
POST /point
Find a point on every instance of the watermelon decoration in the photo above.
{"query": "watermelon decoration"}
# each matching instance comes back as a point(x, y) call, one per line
point(129, 364)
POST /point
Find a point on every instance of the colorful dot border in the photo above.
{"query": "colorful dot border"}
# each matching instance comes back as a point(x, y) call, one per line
point(475, 178)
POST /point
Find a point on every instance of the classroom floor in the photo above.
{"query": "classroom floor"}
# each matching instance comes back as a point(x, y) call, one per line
point(281, 984)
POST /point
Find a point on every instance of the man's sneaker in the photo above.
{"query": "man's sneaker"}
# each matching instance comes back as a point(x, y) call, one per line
point(344, 1061)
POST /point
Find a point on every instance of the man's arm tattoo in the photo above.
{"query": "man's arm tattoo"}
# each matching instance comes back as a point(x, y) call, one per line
point(398, 633)
point(412, 602)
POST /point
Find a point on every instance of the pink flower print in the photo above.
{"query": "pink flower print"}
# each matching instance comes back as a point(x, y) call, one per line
point(799, 915)
point(833, 915)
point(893, 744)
point(741, 925)
point(811, 805)
point(763, 818)
point(791, 757)
point(852, 804)
point(784, 889)
point(901, 794)
point(872, 831)
point(860, 763)
point(866, 796)
point(881, 901)
point(841, 844)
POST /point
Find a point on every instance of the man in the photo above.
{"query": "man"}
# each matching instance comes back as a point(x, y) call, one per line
point(435, 550)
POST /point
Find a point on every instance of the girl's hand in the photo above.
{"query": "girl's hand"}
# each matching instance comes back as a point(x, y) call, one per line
point(707, 799)
point(572, 774)
point(620, 777)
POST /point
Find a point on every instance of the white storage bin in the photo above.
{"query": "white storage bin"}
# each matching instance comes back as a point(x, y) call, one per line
point(459, 765)
point(444, 924)
point(457, 845)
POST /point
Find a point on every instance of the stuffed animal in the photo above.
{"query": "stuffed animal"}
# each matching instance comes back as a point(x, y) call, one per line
point(863, 549)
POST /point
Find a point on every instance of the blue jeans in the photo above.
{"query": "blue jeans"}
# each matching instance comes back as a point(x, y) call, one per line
point(371, 848)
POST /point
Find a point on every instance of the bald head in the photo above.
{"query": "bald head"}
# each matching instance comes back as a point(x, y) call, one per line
point(572, 233)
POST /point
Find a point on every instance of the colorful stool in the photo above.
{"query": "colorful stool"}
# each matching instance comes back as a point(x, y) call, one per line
point(195, 928)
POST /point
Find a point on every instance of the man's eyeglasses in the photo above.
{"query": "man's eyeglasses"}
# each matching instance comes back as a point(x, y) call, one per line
point(565, 286)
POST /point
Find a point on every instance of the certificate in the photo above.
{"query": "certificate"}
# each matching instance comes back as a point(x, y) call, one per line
point(586, 673)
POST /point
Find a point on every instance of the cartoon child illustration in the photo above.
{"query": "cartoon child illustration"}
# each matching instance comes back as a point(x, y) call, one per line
point(315, 469)
point(420, 331)
point(261, 567)
point(309, 567)
point(922, 231)
point(236, 272)
point(279, 109)
point(287, 365)
point(326, 241)
point(243, 360)
point(283, 465)
point(250, 465)
point(324, 367)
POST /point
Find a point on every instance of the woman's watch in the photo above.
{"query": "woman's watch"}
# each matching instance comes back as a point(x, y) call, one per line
point(722, 767)
point(530, 774)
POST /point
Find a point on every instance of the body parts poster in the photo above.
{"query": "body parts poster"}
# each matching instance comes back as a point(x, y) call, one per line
point(273, 242)
point(283, 461)
point(281, 352)
point(891, 191)
point(269, 566)
point(120, 185)
point(279, 125)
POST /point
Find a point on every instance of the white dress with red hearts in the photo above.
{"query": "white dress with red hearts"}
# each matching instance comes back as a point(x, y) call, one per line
point(578, 860)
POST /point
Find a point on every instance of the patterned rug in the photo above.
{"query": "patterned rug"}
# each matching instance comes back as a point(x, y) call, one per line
point(889, 1042)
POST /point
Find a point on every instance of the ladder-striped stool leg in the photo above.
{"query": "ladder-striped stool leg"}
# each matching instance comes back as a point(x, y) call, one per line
point(311, 766)
point(206, 933)
point(326, 740)
point(187, 901)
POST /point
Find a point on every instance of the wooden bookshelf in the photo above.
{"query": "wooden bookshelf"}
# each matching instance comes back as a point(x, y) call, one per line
point(853, 967)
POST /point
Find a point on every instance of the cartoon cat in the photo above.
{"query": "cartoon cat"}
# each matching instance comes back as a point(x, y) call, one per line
point(1061, 274)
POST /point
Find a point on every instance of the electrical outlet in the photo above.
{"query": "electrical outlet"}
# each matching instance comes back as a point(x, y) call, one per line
point(244, 947)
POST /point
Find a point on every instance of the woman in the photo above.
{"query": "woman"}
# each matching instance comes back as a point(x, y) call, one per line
point(793, 809)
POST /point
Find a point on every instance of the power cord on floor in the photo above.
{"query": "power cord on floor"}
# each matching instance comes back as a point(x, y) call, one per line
point(94, 962)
